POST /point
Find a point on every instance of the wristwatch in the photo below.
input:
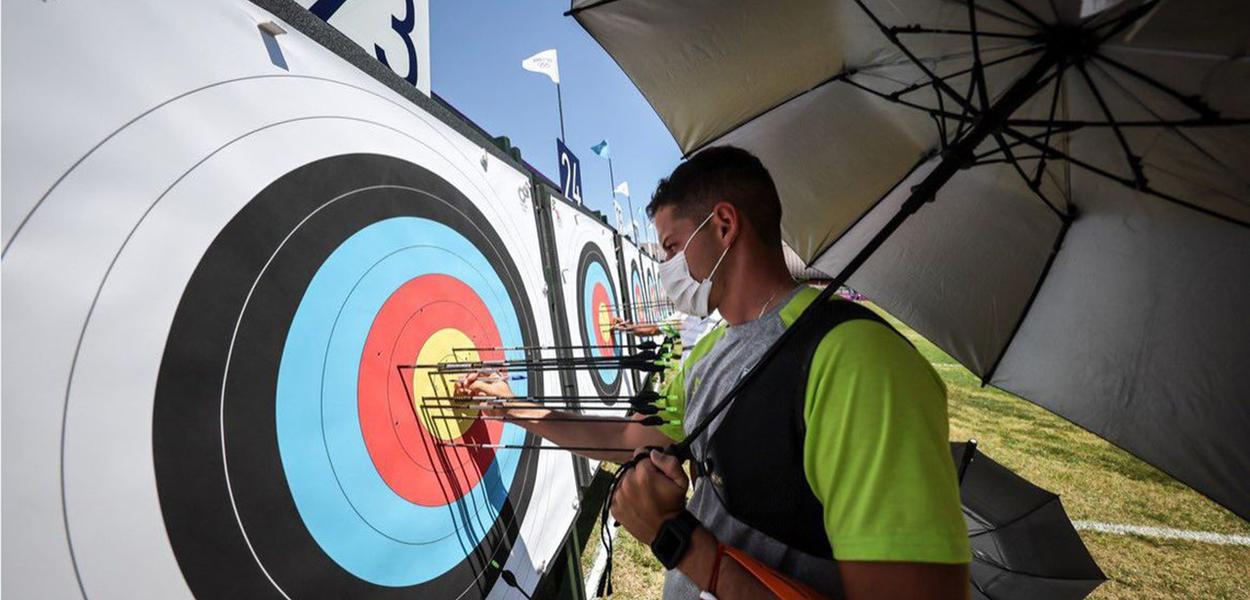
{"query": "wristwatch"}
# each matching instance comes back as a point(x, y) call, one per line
point(673, 539)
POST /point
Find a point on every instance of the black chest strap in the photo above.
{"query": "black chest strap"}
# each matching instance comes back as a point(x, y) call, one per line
point(754, 458)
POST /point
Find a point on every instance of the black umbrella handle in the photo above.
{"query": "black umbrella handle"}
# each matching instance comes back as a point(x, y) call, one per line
point(970, 450)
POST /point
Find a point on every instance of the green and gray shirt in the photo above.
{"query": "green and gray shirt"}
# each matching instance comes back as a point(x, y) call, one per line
point(876, 450)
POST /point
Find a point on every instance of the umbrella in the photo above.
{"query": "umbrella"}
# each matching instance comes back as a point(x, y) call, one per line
point(1023, 543)
point(1055, 192)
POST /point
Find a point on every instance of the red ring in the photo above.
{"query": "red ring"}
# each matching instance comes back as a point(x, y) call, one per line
point(600, 303)
point(415, 463)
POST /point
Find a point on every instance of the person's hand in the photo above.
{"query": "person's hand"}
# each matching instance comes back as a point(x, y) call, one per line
point(646, 330)
point(620, 324)
point(652, 492)
point(486, 384)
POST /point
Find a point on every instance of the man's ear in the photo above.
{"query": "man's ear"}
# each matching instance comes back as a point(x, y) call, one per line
point(727, 221)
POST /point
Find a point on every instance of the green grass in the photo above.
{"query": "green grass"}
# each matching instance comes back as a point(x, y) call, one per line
point(1095, 480)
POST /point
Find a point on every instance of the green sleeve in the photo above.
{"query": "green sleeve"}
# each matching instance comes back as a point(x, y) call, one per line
point(876, 451)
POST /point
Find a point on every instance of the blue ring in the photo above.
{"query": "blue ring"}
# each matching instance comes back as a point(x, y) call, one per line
point(345, 504)
point(595, 274)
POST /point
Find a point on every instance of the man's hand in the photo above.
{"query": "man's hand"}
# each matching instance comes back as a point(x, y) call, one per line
point(620, 324)
point(486, 384)
point(652, 492)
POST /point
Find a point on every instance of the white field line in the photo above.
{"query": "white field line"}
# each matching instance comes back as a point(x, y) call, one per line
point(601, 562)
point(1209, 537)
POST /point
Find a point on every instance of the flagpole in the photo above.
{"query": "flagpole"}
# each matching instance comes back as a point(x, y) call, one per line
point(642, 238)
point(628, 197)
point(560, 104)
point(611, 178)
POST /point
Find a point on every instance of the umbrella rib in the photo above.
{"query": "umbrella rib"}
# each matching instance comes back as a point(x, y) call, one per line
point(1120, 23)
point(1179, 133)
point(998, 14)
point(1020, 517)
point(998, 565)
point(941, 121)
point(893, 38)
point(996, 161)
point(573, 11)
point(1054, 104)
point(962, 117)
point(949, 76)
point(998, 137)
point(1193, 103)
point(1054, 9)
point(988, 153)
point(1076, 124)
point(977, 585)
point(1186, 54)
point(1134, 163)
point(843, 76)
point(1122, 180)
point(993, 34)
point(1065, 224)
point(1026, 12)
point(978, 67)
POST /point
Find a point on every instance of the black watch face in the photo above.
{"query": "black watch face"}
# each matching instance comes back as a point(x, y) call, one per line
point(665, 541)
point(666, 544)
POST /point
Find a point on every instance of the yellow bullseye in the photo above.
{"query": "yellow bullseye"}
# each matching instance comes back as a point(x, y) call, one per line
point(438, 416)
point(605, 322)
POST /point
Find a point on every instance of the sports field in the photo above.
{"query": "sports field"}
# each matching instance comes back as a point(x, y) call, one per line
point(1102, 487)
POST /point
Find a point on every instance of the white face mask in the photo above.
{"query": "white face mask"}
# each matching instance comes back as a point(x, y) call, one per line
point(688, 295)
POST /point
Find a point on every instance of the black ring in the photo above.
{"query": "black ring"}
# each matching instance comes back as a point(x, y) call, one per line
point(197, 503)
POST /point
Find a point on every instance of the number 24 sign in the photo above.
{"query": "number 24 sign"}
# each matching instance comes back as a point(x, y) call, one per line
point(570, 173)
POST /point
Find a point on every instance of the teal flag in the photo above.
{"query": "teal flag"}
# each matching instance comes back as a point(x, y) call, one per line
point(601, 149)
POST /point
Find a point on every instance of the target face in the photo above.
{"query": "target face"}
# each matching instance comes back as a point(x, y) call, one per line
point(653, 297)
point(227, 284)
point(598, 304)
point(323, 296)
point(637, 292)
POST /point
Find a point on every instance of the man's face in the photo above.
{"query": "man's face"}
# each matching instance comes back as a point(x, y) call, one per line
point(675, 231)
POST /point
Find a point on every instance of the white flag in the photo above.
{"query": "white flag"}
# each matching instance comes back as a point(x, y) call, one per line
point(544, 62)
point(620, 220)
point(623, 189)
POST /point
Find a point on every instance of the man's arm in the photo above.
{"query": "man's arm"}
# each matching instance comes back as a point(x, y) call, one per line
point(550, 424)
point(876, 454)
point(889, 580)
point(620, 324)
point(653, 492)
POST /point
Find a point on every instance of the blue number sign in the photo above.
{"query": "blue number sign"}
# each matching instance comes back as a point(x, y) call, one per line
point(570, 173)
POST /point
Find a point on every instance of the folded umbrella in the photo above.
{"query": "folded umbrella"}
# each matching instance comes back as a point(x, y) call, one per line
point(1023, 544)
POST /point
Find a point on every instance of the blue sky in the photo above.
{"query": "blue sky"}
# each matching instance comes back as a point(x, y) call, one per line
point(476, 49)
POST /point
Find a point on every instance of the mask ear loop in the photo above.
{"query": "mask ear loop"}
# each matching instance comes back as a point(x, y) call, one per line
point(718, 262)
point(691, 239)
point(696, 231)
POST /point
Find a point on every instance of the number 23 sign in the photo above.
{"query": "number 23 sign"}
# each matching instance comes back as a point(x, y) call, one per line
point(570, 173)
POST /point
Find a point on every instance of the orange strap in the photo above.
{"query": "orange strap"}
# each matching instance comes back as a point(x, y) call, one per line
point(781, 586)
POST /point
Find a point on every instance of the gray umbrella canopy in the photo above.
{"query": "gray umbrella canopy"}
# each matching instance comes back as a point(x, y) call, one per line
point(1087, 240)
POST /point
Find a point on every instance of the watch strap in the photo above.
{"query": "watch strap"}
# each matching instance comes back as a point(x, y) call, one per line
point(679, 529)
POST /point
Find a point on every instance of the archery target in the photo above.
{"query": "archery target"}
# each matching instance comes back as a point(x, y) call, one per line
point(212, 283)
point(364, 281)
point(592, 295)
point(598, 303)
point(632, 290)
point(654, 313)
point(631, 280)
